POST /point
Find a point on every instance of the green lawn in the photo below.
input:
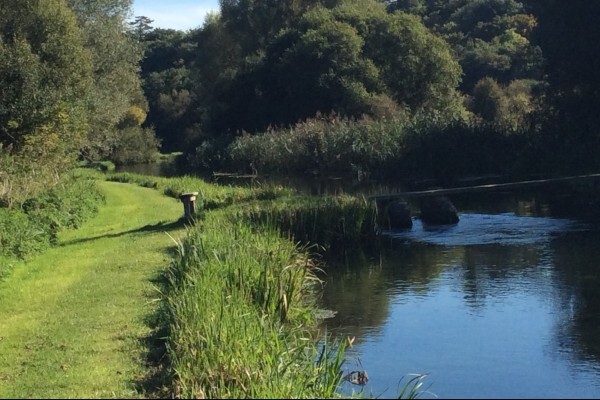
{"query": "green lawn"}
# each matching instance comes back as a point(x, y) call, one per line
point(74, 321)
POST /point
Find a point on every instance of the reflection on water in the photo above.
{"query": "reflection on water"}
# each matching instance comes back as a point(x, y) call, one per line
point(499, 305)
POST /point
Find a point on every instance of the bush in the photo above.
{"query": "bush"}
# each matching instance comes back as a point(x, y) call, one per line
point(21, 236)
point(35, 226)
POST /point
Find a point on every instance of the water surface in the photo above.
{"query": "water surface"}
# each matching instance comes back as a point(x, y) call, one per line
point(501, 305)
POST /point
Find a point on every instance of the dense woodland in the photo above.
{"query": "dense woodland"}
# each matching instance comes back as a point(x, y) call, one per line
point(428, 87)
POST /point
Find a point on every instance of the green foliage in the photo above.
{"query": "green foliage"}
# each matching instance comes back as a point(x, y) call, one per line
point(416, 148)
point(136, 145)
point(66, 206)
point(116, 84)
point(210, 196)
point(251, 290)
point(169, 87)
point(44, 75)
point(20, 236)
point(492, 38)
point(32, 228)
point(321, 146)
point(510, 107)
point(335, 223)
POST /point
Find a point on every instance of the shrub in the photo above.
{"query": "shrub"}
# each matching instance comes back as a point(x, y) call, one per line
point(32, 228)
point(21, 236)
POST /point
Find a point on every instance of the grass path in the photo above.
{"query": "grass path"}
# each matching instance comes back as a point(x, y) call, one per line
point(73, 321)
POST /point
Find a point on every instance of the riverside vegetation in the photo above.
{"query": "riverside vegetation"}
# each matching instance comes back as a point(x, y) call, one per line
point(237, 316)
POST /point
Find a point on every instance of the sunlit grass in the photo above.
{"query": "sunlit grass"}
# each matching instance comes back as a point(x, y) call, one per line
point(73, 321)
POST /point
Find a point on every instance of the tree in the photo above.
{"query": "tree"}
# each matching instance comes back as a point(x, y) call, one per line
point(141, 27)
point(348, 59)
point(45, 71)
point(45, 78)
point(168, 85)
point(115, 57)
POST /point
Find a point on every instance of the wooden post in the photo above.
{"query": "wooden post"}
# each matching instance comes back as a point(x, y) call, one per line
point(189, 204)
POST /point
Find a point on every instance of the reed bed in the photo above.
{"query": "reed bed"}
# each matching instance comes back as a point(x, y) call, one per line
point(334, 223)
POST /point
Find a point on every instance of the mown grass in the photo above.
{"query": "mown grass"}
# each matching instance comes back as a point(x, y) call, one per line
point(74, 320)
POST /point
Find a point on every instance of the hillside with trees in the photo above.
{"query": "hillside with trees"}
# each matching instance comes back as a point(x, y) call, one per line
point(498, 67)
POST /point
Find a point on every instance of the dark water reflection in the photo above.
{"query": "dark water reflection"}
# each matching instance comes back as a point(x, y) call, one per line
point(498, 306)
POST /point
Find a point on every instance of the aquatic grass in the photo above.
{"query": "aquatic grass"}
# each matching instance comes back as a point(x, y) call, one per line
point(412, 389)
point(322, 145)
point(333, 223)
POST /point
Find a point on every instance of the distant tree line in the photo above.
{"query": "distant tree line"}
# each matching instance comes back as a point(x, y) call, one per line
point(506, 65)
point(79, 81)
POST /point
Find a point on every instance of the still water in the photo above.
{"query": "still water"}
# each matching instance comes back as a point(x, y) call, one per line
point(505, 304)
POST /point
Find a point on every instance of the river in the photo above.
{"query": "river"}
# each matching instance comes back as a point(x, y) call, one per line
point(504, 304)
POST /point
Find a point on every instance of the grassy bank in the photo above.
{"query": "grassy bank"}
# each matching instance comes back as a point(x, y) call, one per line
point(73, 321)
point(32, 226)
point(240, 318)
point(227, 310)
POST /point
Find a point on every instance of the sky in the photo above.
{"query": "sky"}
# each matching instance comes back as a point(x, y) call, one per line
point(175, 14)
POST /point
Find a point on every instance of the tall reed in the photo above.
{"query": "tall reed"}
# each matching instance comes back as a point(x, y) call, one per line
point(333, 223)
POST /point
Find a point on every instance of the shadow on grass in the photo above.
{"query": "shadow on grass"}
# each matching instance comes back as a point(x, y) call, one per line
point(146, 229)
point(157, 382)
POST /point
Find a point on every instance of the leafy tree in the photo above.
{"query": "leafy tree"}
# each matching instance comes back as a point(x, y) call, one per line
point(568, 35)
point(45, 78)
point(169, 86)
point(44, 72)
point(347, 58)
point(115, 57)
point(509, 107)
point(141, 26)
point(489, 37)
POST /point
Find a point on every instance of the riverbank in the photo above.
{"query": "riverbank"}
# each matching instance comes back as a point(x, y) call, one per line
point(240, 316)
point(73, 321)
point(232, 298)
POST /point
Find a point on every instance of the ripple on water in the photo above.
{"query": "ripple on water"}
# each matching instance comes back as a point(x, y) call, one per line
point(482, 229)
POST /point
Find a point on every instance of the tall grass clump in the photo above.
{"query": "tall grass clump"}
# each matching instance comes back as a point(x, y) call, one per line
point(447, 152)
point(20, 235)
point(32, 228)
point(334, 223)
point(239, 316)
point(412, 148)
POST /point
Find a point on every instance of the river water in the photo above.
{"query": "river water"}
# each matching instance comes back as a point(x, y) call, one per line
point(505, 304)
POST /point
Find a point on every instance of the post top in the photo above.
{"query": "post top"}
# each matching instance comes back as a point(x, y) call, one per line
point(191, 194)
